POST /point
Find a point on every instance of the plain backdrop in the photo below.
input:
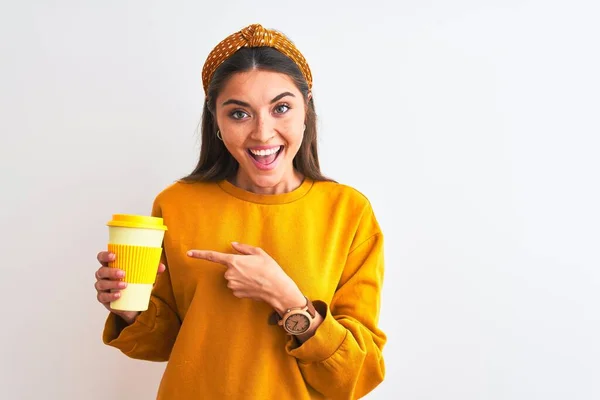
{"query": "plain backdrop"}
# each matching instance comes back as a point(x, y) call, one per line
point(472, 126)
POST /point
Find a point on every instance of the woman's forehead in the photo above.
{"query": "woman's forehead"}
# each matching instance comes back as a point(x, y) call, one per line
point(259, 85)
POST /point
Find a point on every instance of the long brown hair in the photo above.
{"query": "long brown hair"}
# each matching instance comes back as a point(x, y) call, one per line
point(216, 163)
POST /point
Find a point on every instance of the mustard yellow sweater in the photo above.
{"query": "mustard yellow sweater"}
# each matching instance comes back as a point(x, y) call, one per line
point(326, 238)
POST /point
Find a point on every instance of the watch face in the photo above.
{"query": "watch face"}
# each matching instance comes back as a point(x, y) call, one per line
point(297, 323)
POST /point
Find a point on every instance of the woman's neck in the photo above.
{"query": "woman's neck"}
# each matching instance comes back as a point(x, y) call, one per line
point(286, 185)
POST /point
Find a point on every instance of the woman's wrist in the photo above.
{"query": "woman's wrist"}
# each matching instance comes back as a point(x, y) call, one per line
point(284, 297)
point(287, 296)
point(128, 317)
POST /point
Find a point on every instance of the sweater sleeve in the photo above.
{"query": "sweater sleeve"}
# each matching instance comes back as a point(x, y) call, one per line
point(343, 360)
point(152, 335)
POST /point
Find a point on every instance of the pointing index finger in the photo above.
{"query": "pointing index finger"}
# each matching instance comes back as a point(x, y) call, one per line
point(214, 256)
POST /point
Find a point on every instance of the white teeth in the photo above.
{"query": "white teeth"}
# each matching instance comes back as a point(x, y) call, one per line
point(265, 152)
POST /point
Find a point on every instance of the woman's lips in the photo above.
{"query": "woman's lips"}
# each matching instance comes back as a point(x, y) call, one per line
point(266, 163)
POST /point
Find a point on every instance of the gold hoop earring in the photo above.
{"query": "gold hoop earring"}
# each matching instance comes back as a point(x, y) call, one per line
point(219, 135)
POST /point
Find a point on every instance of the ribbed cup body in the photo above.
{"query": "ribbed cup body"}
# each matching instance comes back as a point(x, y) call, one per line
point(137, 252)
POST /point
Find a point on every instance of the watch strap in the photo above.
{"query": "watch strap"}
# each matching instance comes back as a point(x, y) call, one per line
point(274, 318)
point(311, 308)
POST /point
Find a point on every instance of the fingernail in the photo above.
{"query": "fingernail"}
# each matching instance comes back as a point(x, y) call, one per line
point(122, 285)
point(189, 253)
point(117, 294)
point(111, 256)
point(234, 243)
point(120, 274)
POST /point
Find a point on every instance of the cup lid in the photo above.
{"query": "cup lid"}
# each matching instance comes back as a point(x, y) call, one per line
point(137, 221)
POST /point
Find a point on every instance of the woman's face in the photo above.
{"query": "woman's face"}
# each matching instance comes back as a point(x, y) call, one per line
point(261, 118)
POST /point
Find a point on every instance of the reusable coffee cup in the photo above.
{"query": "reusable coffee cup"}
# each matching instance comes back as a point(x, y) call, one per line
point(136, 241)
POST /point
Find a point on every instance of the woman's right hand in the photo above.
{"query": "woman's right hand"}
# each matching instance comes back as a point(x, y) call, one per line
point(108, 285)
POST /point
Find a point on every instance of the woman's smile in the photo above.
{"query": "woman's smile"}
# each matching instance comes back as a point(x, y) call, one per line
point(265, 157)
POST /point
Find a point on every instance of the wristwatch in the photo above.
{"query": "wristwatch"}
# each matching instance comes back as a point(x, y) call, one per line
point(297, 320)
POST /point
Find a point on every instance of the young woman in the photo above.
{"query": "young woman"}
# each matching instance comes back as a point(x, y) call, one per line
point(269, 286)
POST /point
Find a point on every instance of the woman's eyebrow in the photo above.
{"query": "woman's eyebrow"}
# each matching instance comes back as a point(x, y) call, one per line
point(244, 104)
point(281, 96)
point(238, 102)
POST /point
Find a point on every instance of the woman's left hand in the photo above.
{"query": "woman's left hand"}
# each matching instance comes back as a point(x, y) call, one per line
point(254, 274)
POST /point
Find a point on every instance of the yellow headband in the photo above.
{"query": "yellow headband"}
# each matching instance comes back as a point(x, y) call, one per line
point(253, 36)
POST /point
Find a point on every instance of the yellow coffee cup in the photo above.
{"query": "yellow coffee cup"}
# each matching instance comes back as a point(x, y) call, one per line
point(136, 241)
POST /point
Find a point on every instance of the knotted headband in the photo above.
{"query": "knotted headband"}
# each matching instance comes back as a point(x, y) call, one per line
point(253, 36)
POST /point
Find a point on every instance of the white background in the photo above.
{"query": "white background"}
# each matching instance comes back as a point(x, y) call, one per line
point(471, 125)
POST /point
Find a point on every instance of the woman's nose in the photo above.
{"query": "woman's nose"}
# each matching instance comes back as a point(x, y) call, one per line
point(264, 130)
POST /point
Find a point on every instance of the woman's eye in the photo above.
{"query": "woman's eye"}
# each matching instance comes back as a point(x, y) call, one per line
point(238, 114)
point(282, 108)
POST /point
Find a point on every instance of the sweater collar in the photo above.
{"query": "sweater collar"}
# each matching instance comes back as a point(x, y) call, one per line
point(282, 198)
